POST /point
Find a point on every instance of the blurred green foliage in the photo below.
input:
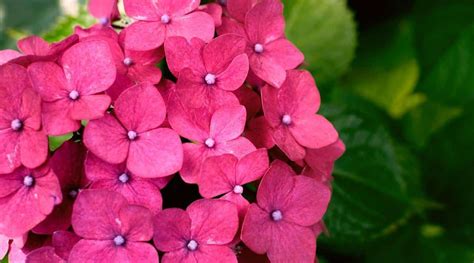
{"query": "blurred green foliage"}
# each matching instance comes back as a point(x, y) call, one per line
point(400, 91)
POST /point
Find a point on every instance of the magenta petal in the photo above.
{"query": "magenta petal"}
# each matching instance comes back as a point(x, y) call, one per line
point(265, 22)
point(196, 24)
point(33, 45)
point(102, 8)
point(218, 175)
point(238, 147)
point(96, 169)
point(44, 254)
point(260, 133)
point(214, 10)
point(193, 156)
point(48, 80)
point(63, 242)
point(230, 26)
point(33, 148)
point(228, 123)
point(156, 153)
point(238, 9)
point(180, 255)
point(284, 53)
point(256, 230)
point(268, 70)
point(4, 245)
point(144, 73)
point(314, 131)
point(56, 118)
point(59, 219)
point(241, 203)
point(287, 143)
point(181, 54)
point(322, 160)
point(214, 222)
point(7, 55)
point(107, 139)
point(172, 228)
point(145, 10)
point(220, 52)
point(137, 223)
point(9, 152)
point(299, 94)
point(87, 72)
point(142, 192)
point(235, 74)
point(192, 124)
point(90, 107)
point(292, 242)
point(177, 7)
point(215, 254)
point(140, 108)
point(144, 36)
point(252, 166)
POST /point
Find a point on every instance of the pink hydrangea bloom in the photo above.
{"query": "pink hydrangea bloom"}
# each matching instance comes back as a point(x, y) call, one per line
point(280, 223)
point(26, 198)
point(259, 132)
point(63, 242)
point(158, 20)
point(44, 254)
point(7, 55)
point(68, 165)
point(214, 10)
point(104, 10)
point(206, 73)
point(320, 162)
point(226, 175)
point(73, 92)
point(116, 177)
point(22, 139)
point(210, 136)
point(112, 230)
point(199, 234)
point(270, 53)
point(4, 245)
point(290, 111)
point(238, 9)
point(133, 135)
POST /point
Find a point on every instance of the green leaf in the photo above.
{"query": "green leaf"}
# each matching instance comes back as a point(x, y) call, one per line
point(65, 25)
point(445, 47)
point(386, 73)
point(326, 33)
point(376, 187)
point(56, 141)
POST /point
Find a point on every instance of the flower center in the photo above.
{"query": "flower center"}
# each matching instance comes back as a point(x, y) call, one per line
point(192, 245)
point(223, 2)
point(28, 181)
point(104, 21)
point(119, 240)
point(132, 135)
point(258, 48)
point(128, 62)
point(16, 125)
point(165, 19)
point(210, 142)
point(286, 119)
point(238, 189)
point(74, 95)
point(124, 178)
point(73, 193)
point(277, 215)
point(210, 79)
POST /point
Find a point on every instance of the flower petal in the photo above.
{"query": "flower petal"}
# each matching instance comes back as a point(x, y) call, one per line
point(63, 242)
point(220, 52)
point(267, 69)
point(33, 45)
point(172, 228)
point(314, 131)
point(196, 24)
point(207, 253)
point(144, 36)
point(144, 10)
point(193, 156)
point(137, 224)
point(288, 144)
point(218, 175)
point(227, 123)
point(90, 107)
point(235, 74)
point(252, 167)
point(56, 118)
point(48, 80)
point(285, 53)
point(265, 22)
point(33, 148)
point(182, 53)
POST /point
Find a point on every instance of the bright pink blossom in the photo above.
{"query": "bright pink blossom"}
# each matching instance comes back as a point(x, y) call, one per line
point(320, 162)
point(207, 73)
point(259, 132)
point(238, 9)
point(158, 20)
point(26, 198)
point(116, 177)
point(104, 10)
point(270, 53)
point(280, 223)
point(134, 135)
point(290, 111)
point(4, 245)
point(22, 139)
point(199, 234)
point(74, 92)
point(7, 55)
point(214, 10)
point(112, 230)
point(68, 165)
point(63, 242)
point(44, 254)
point(212, 135)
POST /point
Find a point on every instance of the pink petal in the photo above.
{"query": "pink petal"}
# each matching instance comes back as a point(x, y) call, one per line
point(95, 213)
point(238, 147)
point(140, 108)
point(33, 148)
point(144, 73)
point(4, 245)
point(214, 10)
point(59, 219)
point(156, 153)
point(68, 164)
point(177, 7)
point(7, 55)
point(299, 94)
point(56, 118)
point(250, 99)
point(196, 24)
point(321, 161)
point(215, 254)
point(284, 53)
point(214, 222)
point(220, 52)
point(180, 255)
point(137, 223)
point(107, 139)
point(288, 144)
point(144, 36)
point(251, 167)
point(90, 107)
point(30, 110)
point(227, 123)
point(96, 169)
point(241, 203)
point(236, 73)
point(145, 10)
point(314, 131)
point(44, 254)
point(102, 8)
point(193, 156)
point(87, 72)
point(265, 22)
point(13, 80)
point(230, 26)
point(267, 70)
point(63, 242)
point(172, 228)
point(218, 175)
point(48, 80)
point(260, 133)
point(122, 82)
point(33, 45)
point(181, 54)
point(256, 230)
point(238, 9)
point(292, 243)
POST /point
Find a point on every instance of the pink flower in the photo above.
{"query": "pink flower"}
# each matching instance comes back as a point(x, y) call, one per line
point(44, 254)
point(270, 53)
point(226, 175)
point(280, 223)
point(199, 234)
point(214, 10)
point(238, 9)
point(4, 245)
point(112, 230)
point(158, 20)
point(73, 93)
point(210, 136)
point(116, 177)
point(104, 10)
point(63, 242)
point(260, 133)
point(290, 111)
point(133, 135)
point(68, 165)
point(207, 73)
point(26, 198)
point(320, 162)
point(22, 139)
point(7, 55)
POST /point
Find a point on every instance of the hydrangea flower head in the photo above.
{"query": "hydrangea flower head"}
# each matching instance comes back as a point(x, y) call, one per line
point(320, 162)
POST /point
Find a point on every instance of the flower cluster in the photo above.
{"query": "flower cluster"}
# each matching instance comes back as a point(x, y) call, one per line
point(228, 111)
